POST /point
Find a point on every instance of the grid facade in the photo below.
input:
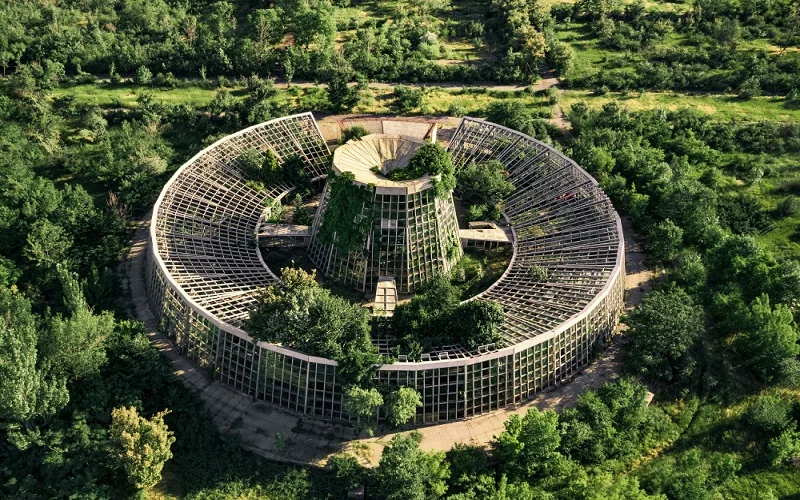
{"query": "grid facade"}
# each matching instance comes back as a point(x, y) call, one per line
point(203, 270)
point(414, 237)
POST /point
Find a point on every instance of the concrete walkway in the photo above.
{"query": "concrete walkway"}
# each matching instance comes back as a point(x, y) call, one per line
point(277, 435)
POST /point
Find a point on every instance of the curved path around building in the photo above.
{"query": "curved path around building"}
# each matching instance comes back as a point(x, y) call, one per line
point(278, 435)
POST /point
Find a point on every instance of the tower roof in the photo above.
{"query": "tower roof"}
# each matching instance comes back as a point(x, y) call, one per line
point(386, 152)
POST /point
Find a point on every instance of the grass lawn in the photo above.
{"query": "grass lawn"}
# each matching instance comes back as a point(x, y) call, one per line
point(378, 100)
point(721, 107)
point(104, 95)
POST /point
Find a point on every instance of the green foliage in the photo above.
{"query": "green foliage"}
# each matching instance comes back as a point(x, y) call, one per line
point(362, 403)
point(401, 405)
point(30, 392)
point(770, 415)
point(407, 98)
point(343, 97)
point(743, 214)
point(76, 345)
point(663, 330)
point(302, 315)
point(789, 206)
point(141, 446)
point(355, 132)
point(529, 447)
point(768, 341)
point(483, 212)
point(437, 308)
point(349, 473)
point(613, 422)
point(516, 115)
point(143, 75)
point(785, 448)
point(484, 182)
point(344, 224)
point(406, 472)
point(300, 214)
point(432, 160)
point(664, 241)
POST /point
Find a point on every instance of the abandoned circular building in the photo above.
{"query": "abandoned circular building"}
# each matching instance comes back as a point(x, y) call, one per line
point(561, 293)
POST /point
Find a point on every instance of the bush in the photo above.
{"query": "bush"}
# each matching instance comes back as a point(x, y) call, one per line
point(455, 109)
point(353, 133)
point(143, 76)
point(407, 98)
point(769, 415)
point(750, 88)
point(788, 206)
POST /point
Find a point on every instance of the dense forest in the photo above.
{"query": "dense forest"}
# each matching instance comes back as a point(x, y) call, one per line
point(88, 409)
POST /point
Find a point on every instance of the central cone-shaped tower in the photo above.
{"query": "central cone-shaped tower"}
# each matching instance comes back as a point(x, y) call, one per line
point(369, 227)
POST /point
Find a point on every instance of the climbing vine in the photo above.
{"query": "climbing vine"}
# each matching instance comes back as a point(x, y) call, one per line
point(344, 224)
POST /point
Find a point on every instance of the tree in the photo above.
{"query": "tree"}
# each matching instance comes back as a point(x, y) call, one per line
point(474, 323)
point(48, 243)
point(433, 160)
point(560, 56)
point(486, 181)
point(342, 96)
point(533, 47)
point(143, 75)
point(529, 446)
point(785, 447)
point(612, 422)
point(769, 339)
point(664, 240)
point(76, 345)
point(662, 330)
point(266, 27)
point(315, 24)
point(141, 446)
point(362, 403)
point(29, 391)
point(304, 316)
point(408, 473)
point(407, 98)
point(401, 405)
point(349, 472)
point(770, 415)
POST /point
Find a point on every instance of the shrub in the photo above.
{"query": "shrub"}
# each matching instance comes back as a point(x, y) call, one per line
point(788, 206)
point(407, 98)
point(355, 132)
point(143, 75)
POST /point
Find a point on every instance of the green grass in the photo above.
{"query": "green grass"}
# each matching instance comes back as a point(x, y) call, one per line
point(721, 107)
point(378, 100)
point(105, 95)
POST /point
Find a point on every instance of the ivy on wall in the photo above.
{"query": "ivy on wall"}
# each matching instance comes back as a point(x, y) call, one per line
point(345, 225)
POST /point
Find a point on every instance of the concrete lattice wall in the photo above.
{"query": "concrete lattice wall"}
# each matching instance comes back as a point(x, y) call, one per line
point(203, 271)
